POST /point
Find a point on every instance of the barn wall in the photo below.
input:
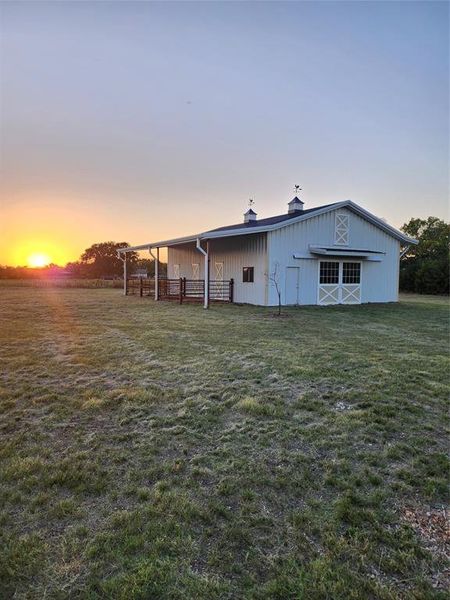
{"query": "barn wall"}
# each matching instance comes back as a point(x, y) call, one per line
point(379, 279)
point(184, 255)
point(235, 253)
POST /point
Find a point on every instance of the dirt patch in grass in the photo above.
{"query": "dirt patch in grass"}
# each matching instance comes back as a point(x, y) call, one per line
point(432, 525)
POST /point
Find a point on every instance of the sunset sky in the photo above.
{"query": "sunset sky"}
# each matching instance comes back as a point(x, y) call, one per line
point(141, 121)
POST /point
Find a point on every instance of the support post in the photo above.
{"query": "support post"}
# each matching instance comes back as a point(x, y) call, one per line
point(156, 259)
point(231, 290)
point(141, 287)
point(125, 281)
point(207, 276)
point(181, 290)
point(157, 275)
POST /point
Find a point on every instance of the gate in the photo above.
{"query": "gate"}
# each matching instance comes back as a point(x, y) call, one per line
point(182, 289)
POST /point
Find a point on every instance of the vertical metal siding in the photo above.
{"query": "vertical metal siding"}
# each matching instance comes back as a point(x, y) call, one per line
point(379, 279)
point(235, 253)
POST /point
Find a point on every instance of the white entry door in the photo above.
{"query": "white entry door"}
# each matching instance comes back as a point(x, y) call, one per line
point(339, 282)
point(292, 292)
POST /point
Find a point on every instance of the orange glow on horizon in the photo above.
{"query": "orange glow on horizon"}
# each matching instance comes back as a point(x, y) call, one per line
point(55, 228)
point(60, 227)
point(36, 252)
point(47, 225)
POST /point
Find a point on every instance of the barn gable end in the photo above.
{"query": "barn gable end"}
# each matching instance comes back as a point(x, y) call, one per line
point(379, 277)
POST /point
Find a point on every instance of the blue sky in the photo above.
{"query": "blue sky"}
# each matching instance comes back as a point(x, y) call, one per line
point(140, 121)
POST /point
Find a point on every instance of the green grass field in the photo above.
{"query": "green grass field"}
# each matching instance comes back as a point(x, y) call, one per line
point(157, 451)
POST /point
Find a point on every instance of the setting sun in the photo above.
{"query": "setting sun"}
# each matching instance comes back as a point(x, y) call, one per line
point(38, 259)
point(25, 247)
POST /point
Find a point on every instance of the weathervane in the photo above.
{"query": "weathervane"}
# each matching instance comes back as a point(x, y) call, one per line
point(251, 202)
point(297, 189)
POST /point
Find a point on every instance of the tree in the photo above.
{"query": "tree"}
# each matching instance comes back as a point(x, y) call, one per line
point(78, 270)
point(101, 260)
point(274, 278)
point(425, 267)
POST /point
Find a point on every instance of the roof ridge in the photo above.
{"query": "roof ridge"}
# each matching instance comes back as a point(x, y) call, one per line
point(269, 220)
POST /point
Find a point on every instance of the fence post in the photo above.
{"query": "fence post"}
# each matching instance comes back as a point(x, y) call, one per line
point(140, 287)
point(181, 290)
point(231, 290)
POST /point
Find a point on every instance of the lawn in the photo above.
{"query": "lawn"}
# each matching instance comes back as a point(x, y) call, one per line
point(157, 451)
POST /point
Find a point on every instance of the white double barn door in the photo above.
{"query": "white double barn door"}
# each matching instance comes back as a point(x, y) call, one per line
point(346, 285)
point(349, 293)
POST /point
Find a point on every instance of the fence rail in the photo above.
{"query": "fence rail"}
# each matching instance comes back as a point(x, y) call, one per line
point(182, 290)
point(141, 286)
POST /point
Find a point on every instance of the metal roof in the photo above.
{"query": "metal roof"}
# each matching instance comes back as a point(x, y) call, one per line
point(271, 223)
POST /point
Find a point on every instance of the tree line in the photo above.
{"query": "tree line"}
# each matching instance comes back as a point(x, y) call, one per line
point(424, 268)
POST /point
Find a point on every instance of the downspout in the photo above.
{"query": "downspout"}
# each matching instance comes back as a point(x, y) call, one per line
point(124, 260)
point(156, 259)
point(206, 272)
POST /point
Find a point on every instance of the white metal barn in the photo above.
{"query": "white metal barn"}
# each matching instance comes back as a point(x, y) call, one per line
point(333, 254)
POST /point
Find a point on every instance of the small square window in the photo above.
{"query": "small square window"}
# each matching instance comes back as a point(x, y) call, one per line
point(248, 274)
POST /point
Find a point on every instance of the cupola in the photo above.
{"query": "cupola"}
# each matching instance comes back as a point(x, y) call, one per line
point(250, 216)
point(295, 205)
